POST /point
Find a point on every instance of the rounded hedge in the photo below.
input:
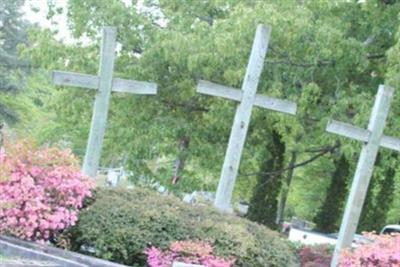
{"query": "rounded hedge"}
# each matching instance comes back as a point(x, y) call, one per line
point(120, 224)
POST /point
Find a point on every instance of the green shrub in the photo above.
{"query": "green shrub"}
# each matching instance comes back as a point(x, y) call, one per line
point(121, 224)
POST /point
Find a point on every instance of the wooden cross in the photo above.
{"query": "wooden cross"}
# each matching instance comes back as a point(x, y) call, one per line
point(248, 98)
point(104, 83)
point(373, 138)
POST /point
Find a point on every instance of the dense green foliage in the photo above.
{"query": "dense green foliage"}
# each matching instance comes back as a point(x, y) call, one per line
point(121, 224)
point(12, 32)
point(264, 202)
point(328, 56)
point(380, 195)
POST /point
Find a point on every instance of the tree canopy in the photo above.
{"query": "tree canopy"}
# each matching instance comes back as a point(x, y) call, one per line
point(328, 56)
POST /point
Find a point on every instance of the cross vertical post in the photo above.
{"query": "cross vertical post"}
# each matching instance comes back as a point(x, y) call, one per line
point(242, 119)
point(248, 98)
point(99, 119)
point(373, 138)
point(104, 84)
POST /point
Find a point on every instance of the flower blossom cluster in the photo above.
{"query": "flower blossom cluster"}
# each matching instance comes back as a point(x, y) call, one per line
point(187, 252)
point(383, 251)
point(41, 191)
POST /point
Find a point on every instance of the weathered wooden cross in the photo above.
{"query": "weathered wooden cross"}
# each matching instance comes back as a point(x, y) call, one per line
point(104, 83)
point(373, 138)
point(248, 98)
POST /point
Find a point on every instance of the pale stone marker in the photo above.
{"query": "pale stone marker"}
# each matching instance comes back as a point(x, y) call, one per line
point(247, 98)
point(104, 83)
point(373, 138)
point(113, 176)
point(181, 264)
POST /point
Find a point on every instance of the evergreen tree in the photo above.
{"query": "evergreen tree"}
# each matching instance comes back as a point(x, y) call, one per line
point(264, 202)
point(379, 198)
point(12, 32)
point(329, 214)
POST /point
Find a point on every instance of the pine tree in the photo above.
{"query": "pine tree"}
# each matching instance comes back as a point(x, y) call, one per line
point(12, 32)
point(379, 198)
point(329, 214)
point(264, 202)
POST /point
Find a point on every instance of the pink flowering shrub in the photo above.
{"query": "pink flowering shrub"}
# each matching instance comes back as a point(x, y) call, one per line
point(383, 251)
point(41, 191)
point(315, 256)
point(187, 252)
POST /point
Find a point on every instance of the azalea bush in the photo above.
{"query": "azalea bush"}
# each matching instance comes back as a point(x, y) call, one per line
point(187, 252)
point(383, 251)
point(120, 224)
point(315, 256)
point(41, 190)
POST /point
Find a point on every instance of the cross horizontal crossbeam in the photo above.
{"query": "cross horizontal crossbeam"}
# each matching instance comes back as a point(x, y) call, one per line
point(373, 138)
point(360, 134)
point(247, 98)
point(92, 82)
point(213, 89)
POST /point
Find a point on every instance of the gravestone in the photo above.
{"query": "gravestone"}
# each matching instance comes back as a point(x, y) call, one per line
point(103, 83)
point(113, 176)
point(373, 138)
point(247, 98)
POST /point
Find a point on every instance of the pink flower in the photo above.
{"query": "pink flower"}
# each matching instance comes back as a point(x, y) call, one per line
point(383, 251)
point(41, 190)
point(187, 252)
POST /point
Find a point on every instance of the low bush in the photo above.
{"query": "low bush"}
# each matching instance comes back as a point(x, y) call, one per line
point(191, 252)
point(122, 224)
point(383, 251)
point(41, 191)
point(315, 256)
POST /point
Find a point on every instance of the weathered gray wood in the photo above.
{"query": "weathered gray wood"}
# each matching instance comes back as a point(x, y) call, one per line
point(248, 98)
point(360, 134)
point(390, 142)
point(242, 119)
point(276, 104)
point(214, 89)
point(134, 87)
point(92, 82)
point(271, 103)
point(104, 83)
point(99, 119)
point(363, 171)
point(348, 130)
point(75, 79)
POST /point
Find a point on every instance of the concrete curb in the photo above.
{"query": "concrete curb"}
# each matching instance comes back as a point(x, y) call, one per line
point(17, 247)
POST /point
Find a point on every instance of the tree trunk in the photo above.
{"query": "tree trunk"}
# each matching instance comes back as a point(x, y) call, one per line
point(179, 163)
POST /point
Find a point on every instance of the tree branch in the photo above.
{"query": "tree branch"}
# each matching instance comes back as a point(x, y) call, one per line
point(319, 63)
point(322, 152)
point(187, 106)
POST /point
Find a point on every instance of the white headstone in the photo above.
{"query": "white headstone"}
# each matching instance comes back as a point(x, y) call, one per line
point(181, 264)
point(113, 177)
